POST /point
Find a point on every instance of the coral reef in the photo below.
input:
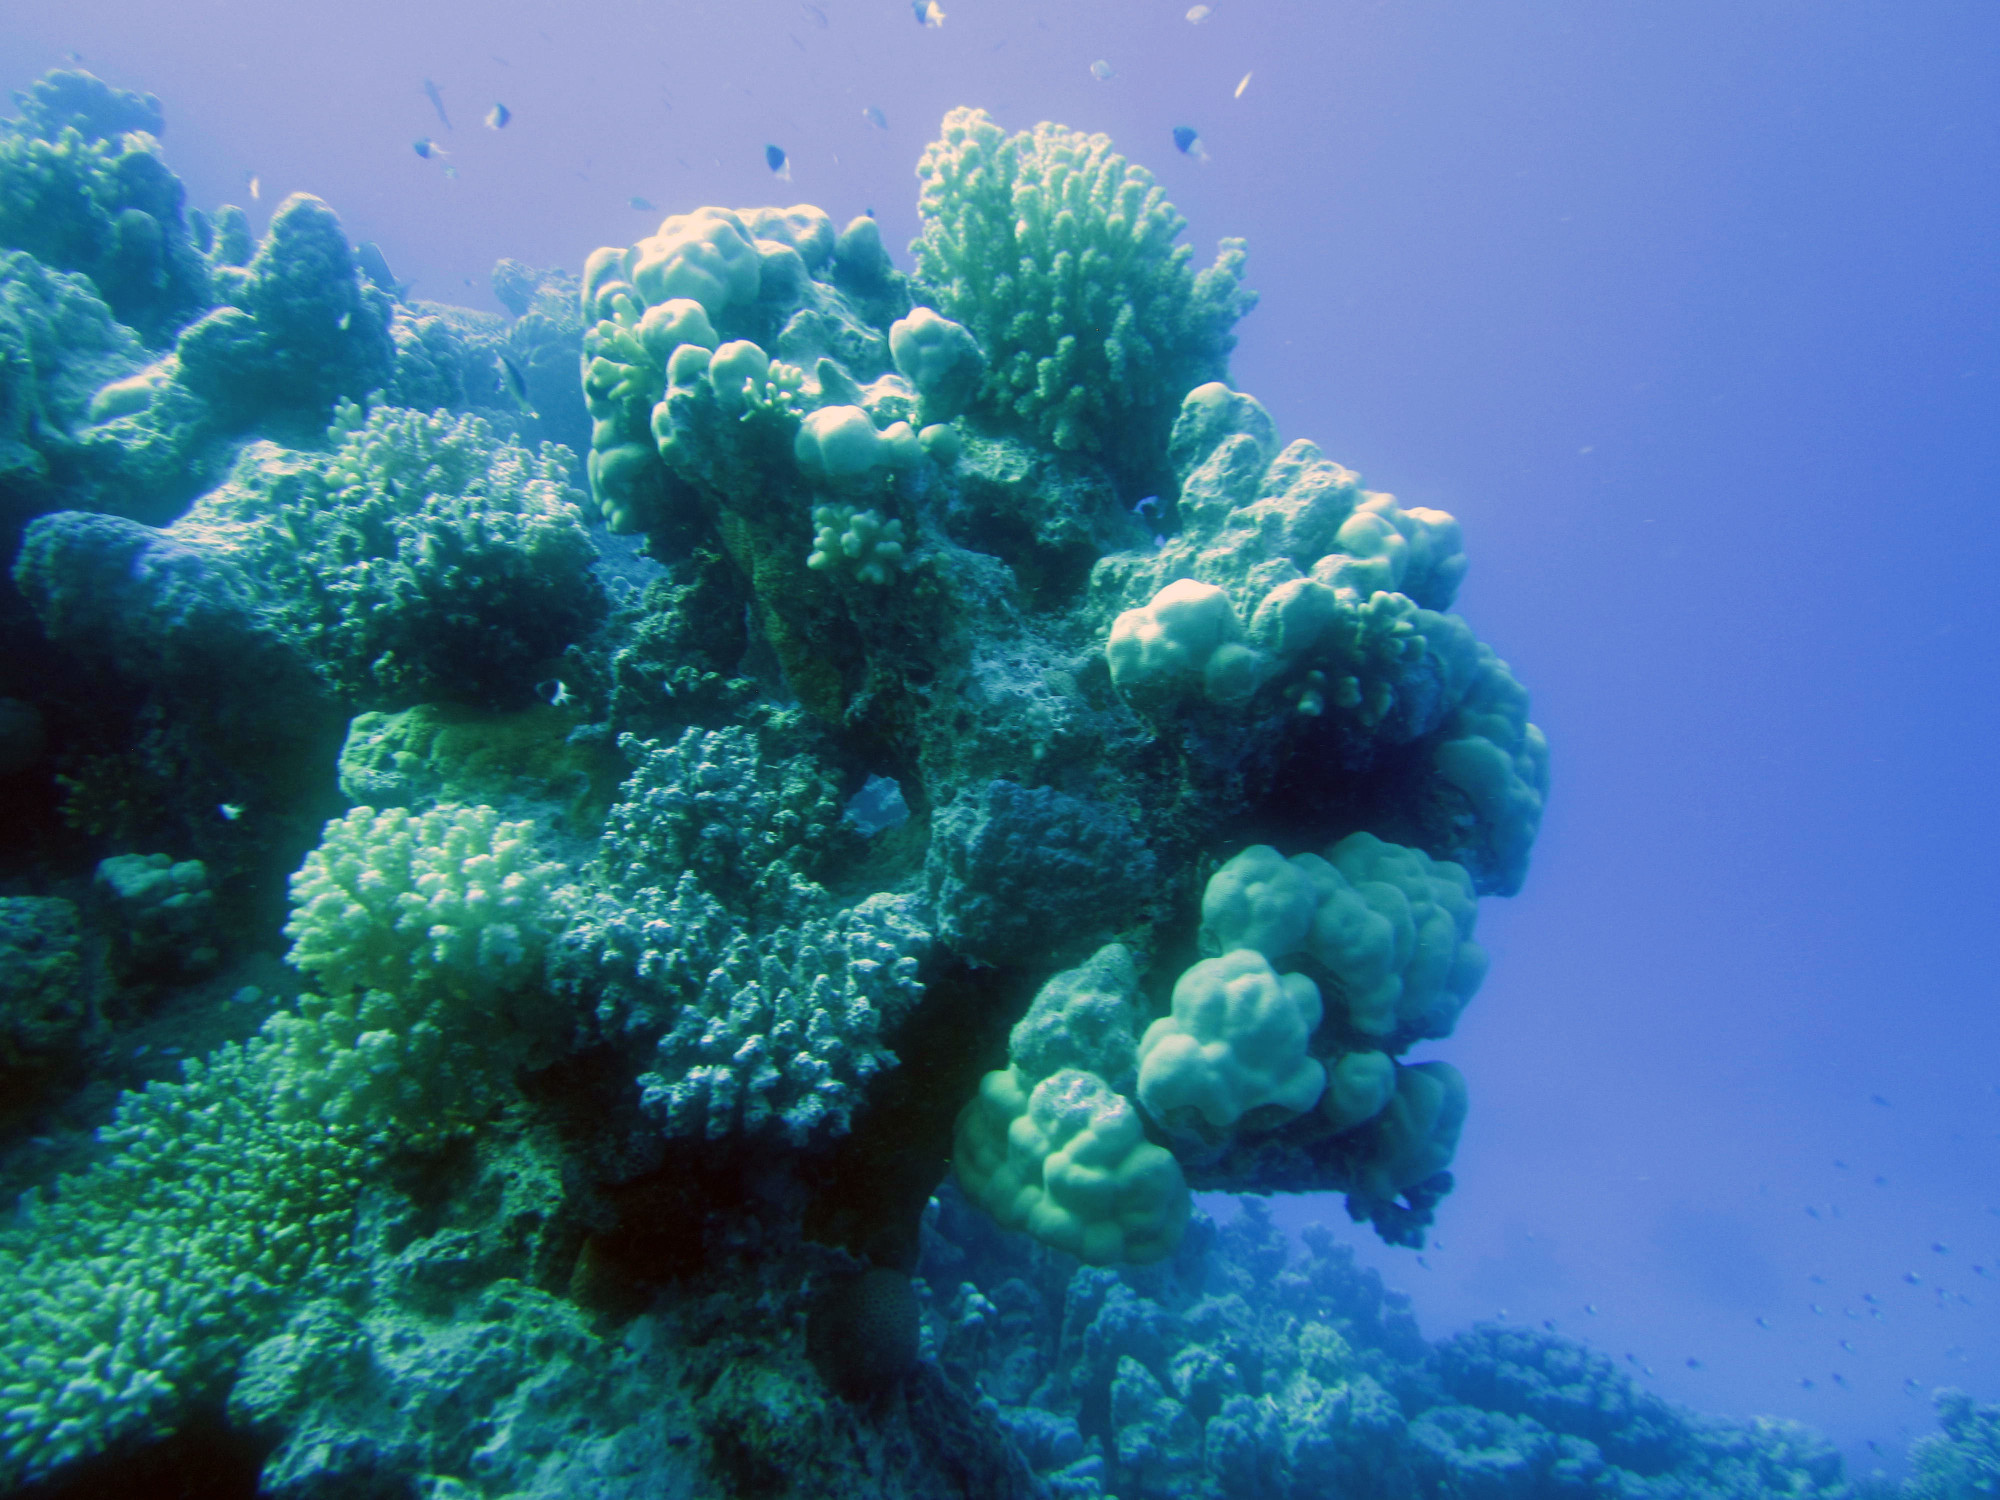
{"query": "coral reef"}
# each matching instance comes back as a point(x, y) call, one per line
point(721, 900)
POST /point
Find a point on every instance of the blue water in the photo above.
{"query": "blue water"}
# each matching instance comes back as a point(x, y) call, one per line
point(1690, 314)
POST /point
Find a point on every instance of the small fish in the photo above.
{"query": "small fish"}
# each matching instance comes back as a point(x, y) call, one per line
point(1187, 141)
point(1913, 1278)
point(498, 116)
point(1816, 1310)
point(1549, 1324)
point(1199, 14)
point(451, 171)
point(1939, 1247)
point(1763, 1322)
point(1591, 1308)
point(928, 12)
point(1840, 1380)
point(1243, 85)
point(346, 322)
point(1812, 1211)
point(256, 188)
point(427, 148)
point(1816, 1279)
point(778, 162)
point(230, 811)
point(818, 15)
point(875, 117)
point(560, 697)
point(1424, 1263)
point(1878, 1099)
point(645, 204)
point(1870, 1298)
point(375, 266)
point(517, 387)
point(1693, 1363)
point(437, 102)
point(1101, 71)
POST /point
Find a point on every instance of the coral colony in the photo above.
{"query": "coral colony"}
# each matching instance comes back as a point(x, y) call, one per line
point(800, 860)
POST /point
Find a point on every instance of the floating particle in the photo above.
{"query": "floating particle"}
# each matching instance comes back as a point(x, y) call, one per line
point(875, 117)
point(1101, 71)
point(1243, 85)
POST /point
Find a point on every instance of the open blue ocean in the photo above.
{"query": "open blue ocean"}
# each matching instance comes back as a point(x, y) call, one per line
point(1109, 751)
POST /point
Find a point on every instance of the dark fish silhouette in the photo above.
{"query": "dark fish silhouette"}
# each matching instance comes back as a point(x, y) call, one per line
point(516, 384)
point(375, 266)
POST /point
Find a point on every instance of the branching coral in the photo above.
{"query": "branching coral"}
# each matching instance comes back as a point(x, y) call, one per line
point(422, 558)
point(1059, 256)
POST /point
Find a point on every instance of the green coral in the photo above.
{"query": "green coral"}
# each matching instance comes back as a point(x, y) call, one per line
point(135, 1287)
point(424, 558)
point(1059, 255)
point(83, 188)
point(226, 1198)
point(1962, 1462)
point(856, 541)
point(58, 345)
point(427, 933)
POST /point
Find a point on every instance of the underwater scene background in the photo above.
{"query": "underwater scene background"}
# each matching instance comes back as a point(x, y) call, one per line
point(714, 785)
